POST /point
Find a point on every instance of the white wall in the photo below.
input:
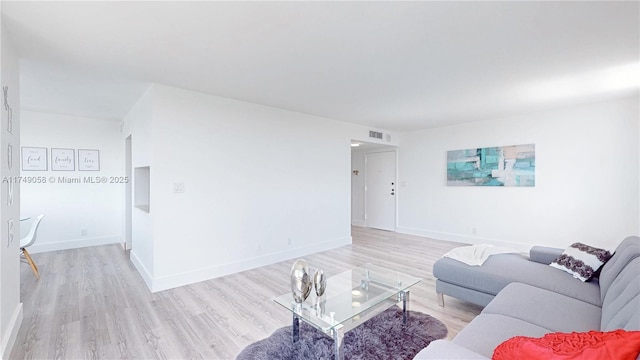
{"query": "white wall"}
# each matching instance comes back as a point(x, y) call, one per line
point(137, 124)
point(261, 185)
point(587, 176)
point(71, 208)
point(10, 305)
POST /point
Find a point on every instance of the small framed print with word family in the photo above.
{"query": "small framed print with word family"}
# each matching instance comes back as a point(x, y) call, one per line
point(88, 160)
point(63, 159)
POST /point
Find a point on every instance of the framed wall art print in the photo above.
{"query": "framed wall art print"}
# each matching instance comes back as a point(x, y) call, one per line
point(63, 159)
point(513, 165)
point(34, 159)
point(88, 160)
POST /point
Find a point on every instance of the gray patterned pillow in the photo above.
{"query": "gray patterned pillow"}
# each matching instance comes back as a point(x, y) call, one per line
point(581, 260)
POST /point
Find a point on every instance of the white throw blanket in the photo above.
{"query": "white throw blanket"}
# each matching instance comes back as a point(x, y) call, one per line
point(476, 255)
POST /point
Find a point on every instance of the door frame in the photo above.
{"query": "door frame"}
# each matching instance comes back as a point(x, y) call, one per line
point(128, 211)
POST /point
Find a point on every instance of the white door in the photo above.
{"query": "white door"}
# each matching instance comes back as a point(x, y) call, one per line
point(380, 190)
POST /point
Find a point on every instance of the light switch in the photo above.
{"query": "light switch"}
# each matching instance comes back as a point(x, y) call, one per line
point(178, 187)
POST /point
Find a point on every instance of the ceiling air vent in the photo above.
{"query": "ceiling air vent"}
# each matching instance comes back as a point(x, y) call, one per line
point(375, 135)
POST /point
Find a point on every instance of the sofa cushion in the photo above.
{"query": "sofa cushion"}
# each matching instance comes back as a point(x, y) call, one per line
point(445, 349)
point(545, 308)
point(597, 345)
point(544, 254)
point(621, 306)
point(491, 277)
point(581, 261)
point(484, 333)
point(628, 250)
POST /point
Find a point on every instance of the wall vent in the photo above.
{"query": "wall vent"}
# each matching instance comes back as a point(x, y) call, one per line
point(375, 134)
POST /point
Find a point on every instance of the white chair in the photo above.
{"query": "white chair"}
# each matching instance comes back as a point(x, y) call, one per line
point(28, 240)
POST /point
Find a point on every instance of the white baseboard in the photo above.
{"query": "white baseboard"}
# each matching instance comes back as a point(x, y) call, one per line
point(357, 222)
point(463, 239)
point(172, 281)
point(73, 244)
point(11, 333)
point(142, 270)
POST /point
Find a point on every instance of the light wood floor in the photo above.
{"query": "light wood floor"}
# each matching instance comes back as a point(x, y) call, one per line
point(91, 303)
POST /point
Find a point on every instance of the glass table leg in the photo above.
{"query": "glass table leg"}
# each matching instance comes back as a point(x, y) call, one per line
point(338, 335)
point(405, 305)
point(295, 333)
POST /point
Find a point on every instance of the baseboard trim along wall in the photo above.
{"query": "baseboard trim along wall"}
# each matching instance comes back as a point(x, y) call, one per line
point(357, 222)
point(173, 281)
point(9, 337)
point(142, 270)
point(464, 239)
point(73, 244)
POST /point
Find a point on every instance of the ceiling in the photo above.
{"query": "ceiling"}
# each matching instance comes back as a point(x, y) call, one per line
point(392, 65)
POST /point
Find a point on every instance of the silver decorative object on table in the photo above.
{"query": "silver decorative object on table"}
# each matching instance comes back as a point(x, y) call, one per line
point(301, 282)
point(320, 282)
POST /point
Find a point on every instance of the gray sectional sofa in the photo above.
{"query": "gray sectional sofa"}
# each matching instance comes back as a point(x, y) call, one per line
point(527, 297)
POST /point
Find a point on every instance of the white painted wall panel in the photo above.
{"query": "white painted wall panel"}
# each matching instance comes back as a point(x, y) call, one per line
point(77, 214)
point(10, 306)
point(261, 185)
point(137, 124)
point(258, 182)
point(587, 178)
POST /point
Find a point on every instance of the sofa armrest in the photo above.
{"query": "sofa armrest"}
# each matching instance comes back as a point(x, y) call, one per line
point(445, 349)
point(543, 254)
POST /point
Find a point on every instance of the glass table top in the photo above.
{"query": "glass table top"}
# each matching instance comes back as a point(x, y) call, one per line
point(348, 295)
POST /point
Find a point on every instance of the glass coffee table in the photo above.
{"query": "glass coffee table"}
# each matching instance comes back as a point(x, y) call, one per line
point(350, 299)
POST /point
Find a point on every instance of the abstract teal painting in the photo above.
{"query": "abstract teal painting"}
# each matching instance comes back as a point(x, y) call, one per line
point(493, 166)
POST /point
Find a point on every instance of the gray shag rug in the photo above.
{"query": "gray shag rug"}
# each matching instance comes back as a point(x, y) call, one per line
point(382, 337)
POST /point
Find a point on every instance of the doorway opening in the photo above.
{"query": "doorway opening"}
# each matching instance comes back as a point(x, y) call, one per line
point(373, 185)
